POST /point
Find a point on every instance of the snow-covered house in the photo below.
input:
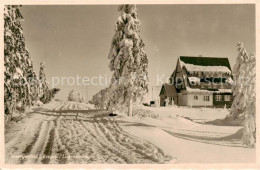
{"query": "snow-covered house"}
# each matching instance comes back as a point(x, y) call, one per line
point(202, 81)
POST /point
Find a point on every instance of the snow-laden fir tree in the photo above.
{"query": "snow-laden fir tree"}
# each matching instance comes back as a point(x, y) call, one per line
point(17, 62)
point(34, 87)
point(75, 96)
point(100, 99)
point(236, 109)
point(243, 106)
point(44, 93)
point(43, 86)
point(128, 61)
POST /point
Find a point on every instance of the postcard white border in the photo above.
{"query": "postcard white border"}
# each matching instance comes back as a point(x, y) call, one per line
point(129, 166)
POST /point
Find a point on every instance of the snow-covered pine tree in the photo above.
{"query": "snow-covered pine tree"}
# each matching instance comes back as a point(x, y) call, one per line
point(16, 61)
point(128, 60)
point(43, 86)
point(238, 71)
point(34, 84)
point(236, 109)
point(243, 106)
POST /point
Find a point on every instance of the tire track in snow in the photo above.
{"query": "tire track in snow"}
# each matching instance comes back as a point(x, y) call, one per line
point(104, 142)
point(34, 146)
point(100, 145)
point(120, 150)
point(34, 149)
point(89, 138)
point(138, 146)
point(48, 148)
point(106, 145)
point(30, 146)
point(141, 150)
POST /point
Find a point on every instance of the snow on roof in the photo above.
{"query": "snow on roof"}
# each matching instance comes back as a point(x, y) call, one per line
point(224, 91)
point(198, 68)
point(205, 64)
point(194, 79)
point(206, 61)
point(196, 90)
point(230, 80)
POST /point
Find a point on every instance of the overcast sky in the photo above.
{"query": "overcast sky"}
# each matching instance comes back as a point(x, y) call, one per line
point(75, 40)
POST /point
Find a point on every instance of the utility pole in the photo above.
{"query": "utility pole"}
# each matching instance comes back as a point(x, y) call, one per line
point(156, 90)
point(87, 93)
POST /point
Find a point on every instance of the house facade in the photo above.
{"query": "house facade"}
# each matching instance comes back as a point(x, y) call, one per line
point(201, 81)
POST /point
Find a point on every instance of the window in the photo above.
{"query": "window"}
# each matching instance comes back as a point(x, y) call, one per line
point(195, 97)
point(206, 98)
point(218, 97)
point(227, 97)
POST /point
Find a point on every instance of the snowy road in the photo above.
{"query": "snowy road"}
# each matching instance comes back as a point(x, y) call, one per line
point(68, 133)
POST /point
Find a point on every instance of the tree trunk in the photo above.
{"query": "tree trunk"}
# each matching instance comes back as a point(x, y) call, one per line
point(130, 107)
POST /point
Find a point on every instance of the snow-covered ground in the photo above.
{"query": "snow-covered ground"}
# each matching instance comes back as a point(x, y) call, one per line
point(70, 132)
point(180, 133)
point(197, 114)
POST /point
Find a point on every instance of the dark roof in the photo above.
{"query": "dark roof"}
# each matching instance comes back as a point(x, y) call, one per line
point(172, 75)
point(169, 90)
point(206, 61)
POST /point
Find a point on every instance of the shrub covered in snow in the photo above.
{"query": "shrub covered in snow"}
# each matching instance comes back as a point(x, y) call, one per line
point(49, 95)
point(75, 96)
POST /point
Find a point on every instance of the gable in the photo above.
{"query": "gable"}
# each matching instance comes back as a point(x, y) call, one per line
point(178, 71)
point(196, 69)
point(168, 90)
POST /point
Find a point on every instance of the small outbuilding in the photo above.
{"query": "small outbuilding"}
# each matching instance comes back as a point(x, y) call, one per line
point(168, 95)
